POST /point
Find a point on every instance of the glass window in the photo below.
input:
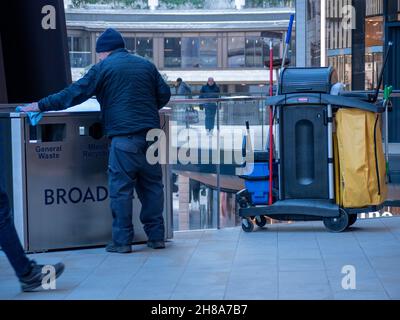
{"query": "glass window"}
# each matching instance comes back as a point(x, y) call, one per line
point(141, 46)
point(172, 52)
point(374, 31)
point(373, 66)
point(374, 7)
point(347, 71)
point(208, 52)
point(190, 52)
point(236, 52)
point(313, 33)
point(342, 65)
point(79, 51)
point(81, 44)
point(130, 44)
point(144, 48)
point(254, 52)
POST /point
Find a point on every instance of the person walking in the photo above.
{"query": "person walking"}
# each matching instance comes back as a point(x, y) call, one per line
point(130, 91)
point(182, 89)
point(29, 273)
point(185, 112)
point(209, 91)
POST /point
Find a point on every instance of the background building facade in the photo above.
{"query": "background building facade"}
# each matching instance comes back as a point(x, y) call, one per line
point(191, 44)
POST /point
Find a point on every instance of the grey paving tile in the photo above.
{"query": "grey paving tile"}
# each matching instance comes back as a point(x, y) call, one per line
point(360, 295)
point(57, 294)
point(188, 235)
point(393, 290)
point(189, 292)
point(249, 291)
point(307, 293)
point(257, 271)
point(157, 277)
point(312, 284)
point(300, 264)
point(166, 261)
point(251, 286)
point(9, 289)
point(201, 278)
point(94, 287)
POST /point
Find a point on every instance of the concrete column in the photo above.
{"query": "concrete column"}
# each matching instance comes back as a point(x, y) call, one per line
point(301, 49)
point(183, 219)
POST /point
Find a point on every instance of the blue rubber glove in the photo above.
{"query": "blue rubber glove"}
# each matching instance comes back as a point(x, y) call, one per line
point(34, 117)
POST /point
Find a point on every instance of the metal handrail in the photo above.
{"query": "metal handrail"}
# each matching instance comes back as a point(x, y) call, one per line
point(215, 100)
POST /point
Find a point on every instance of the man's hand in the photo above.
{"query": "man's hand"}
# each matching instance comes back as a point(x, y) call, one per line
point(32, 107)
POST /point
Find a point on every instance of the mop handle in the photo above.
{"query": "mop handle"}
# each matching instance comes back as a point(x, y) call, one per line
point(287, 42)
point(288, 37)
point(271, 136)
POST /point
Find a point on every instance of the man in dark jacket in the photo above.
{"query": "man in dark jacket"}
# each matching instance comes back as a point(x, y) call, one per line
point(209, 91)
point(130, 91)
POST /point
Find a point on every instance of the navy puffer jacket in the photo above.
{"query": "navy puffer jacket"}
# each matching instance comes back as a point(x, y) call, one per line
point(129, 88)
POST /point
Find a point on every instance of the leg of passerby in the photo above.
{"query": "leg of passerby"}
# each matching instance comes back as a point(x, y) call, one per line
point(122, 172)
point(29, 273)
point(150, 191)
point(211, 111)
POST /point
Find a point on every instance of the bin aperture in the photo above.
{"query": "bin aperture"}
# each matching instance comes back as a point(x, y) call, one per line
point(53, 132)
point(96, 131)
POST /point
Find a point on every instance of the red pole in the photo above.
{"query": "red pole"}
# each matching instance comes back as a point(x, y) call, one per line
point(271, 138)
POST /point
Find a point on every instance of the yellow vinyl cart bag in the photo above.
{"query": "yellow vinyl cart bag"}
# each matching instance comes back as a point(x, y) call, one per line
point(360, 168)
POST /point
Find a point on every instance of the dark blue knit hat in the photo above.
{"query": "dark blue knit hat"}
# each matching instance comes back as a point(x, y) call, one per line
point(109, 40)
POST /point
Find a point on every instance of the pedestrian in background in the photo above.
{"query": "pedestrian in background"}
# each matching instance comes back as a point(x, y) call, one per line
point(182, 89)
point(210, 91)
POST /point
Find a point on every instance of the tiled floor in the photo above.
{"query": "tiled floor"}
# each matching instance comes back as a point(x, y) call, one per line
point(283, 261)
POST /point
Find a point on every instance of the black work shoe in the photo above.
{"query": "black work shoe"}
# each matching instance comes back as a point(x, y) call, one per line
point(35, 277)
point(112, 247)
point(159, 244)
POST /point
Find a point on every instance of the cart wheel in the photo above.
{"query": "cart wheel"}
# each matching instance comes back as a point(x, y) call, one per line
point(352, 219)
point(261, 221)
point(242, 199)
point(247, 225)
point(337, 224)
point(243, 203)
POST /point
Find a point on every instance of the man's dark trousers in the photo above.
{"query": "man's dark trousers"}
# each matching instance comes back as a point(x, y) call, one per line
point(9, 240)
point(210, 111)
point(129, 170)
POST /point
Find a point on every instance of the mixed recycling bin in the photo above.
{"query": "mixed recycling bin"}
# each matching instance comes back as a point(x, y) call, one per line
point(56, 177)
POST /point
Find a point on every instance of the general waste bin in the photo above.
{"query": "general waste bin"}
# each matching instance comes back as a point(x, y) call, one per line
point(56, 177)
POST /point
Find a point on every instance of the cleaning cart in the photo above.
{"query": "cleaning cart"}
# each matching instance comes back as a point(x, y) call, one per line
point(328, 152)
